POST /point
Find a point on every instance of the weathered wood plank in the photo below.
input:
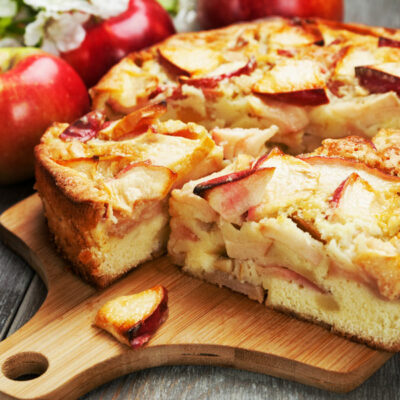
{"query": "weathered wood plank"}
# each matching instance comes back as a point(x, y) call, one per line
point(15, 274)
point(34, 297)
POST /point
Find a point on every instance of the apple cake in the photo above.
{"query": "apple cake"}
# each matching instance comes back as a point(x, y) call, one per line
point(105, 186)
point(313, 79)
point(316, 235)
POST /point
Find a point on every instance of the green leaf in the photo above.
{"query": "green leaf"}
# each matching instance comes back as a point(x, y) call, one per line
point(4, 23)
point(171, 6)
point(15, 27)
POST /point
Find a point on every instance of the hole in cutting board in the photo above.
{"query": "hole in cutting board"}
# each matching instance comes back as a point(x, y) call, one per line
point(25, 366)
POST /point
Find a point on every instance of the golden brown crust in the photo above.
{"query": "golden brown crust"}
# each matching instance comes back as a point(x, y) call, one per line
point(103, 194)
point(64, 209)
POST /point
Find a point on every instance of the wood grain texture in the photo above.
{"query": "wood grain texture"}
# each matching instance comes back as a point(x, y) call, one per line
point(206, 325)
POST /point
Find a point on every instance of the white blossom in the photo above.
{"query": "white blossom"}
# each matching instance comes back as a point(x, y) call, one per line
point(100, 8)
point(66, 30)
point(107, 8)
point(55, 6)
point(59, 24)
point(58, 32)
point(186, 19)
point(35, 30)
point(8, 8)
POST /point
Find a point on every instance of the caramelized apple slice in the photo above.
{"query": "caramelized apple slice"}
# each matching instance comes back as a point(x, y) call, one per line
point(293, 181)
point(134, 319)
point(116, 93)
point(85, 128)
point(189, 60)
point(97, 167)
point(233, 194)
point(298, 82)
point(386, 42)
point(348, 58)
point(135, 123)
point(276, 151)
point(225, 71)
point(237, 141)
point(354, 198)
point(339, 191)
point(334, 170)
point(296, 32)
point(307, 226)
point(139, 180)
point(380, 78)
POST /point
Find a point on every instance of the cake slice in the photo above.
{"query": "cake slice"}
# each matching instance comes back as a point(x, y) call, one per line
point(105, 186)
point(315, 235)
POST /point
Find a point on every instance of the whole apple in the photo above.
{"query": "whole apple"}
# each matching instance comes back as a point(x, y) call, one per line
point(216, 13)
point(144, 23)
point(36, 89)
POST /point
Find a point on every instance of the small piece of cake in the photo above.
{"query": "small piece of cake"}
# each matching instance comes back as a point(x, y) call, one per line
point(317, 235)
point(105, 186)
point(134, 319)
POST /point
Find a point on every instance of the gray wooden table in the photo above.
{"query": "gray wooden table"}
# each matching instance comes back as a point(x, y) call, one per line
point(22, 292)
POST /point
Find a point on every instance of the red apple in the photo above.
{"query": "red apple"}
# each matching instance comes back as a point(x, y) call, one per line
point(135, 318)
point(36, 89)
point(144, 23)
point(216, 13)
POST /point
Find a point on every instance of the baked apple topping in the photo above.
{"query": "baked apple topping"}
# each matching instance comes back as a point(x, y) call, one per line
point(225, 71)
point(386, 42)
point(134, 319)
point(380, 78)
point(234, 194)
point(85, 128)
point(298, 82)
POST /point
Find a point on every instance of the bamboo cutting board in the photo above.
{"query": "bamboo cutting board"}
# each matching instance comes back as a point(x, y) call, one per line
point(67, 356)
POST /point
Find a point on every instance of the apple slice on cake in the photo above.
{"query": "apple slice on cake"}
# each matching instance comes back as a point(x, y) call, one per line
point(297, 82)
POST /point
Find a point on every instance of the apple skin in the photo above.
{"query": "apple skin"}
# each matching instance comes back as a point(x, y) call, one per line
point(144, 23)
point(377, 80)
point(217, 13)
point(36, 89)
point(141, 332)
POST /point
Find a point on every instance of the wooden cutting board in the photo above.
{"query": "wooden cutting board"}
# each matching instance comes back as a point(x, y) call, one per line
point(206, 325)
